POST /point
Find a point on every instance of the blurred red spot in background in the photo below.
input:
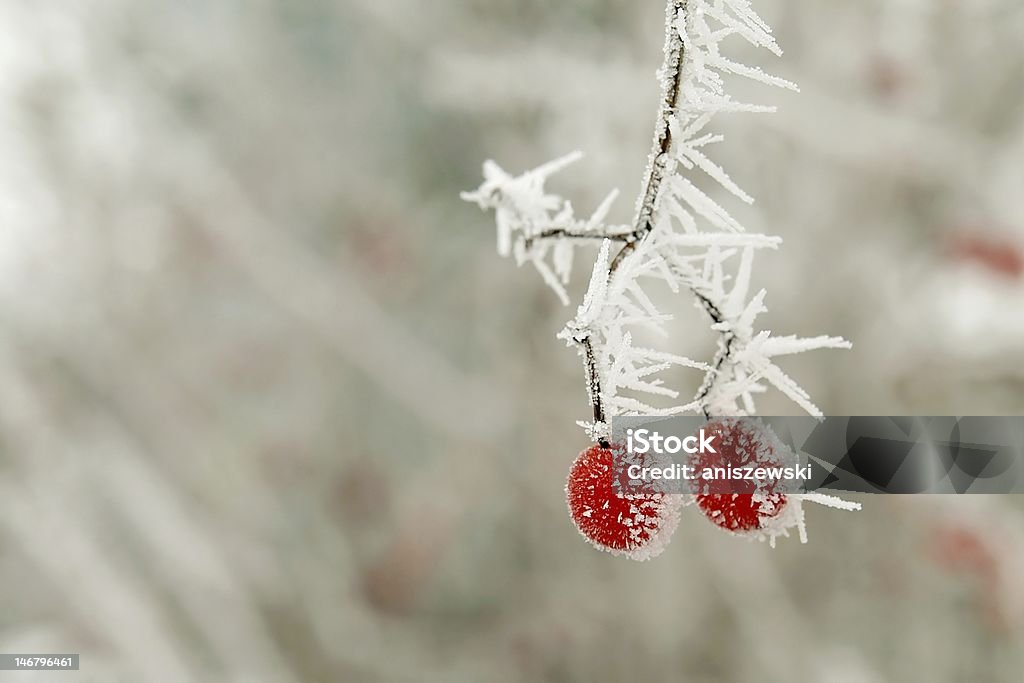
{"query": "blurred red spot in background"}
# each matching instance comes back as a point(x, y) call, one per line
point(997, 255)
point(964, 551)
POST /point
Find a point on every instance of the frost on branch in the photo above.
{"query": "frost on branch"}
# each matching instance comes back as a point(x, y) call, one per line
point(532, 223)
point(681, 238)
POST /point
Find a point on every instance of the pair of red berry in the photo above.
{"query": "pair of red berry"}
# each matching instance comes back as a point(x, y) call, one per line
point(639, 524)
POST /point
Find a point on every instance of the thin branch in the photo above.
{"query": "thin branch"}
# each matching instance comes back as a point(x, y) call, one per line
point(689, 90)
point(566, 233)
point(724, 355)
point(672, 77)
point(672, 73)
point(594, 385)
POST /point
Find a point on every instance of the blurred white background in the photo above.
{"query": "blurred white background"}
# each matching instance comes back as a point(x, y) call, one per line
point(271, 408)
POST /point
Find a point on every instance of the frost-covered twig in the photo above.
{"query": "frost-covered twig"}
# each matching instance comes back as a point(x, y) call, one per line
point(680, 236)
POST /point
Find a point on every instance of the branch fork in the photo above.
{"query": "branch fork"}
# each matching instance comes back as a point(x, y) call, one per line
point(680, 236)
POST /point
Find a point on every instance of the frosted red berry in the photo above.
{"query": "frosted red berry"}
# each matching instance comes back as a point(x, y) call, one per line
point(741, 512)
point(740, 506)
point(623, 521)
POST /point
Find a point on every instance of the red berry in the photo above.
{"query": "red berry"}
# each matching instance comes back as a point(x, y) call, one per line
point(633, 523)
point(740, 506)
point(739, 512)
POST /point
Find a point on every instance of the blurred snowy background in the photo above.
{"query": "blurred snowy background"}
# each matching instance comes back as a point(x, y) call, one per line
point(272, 409)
